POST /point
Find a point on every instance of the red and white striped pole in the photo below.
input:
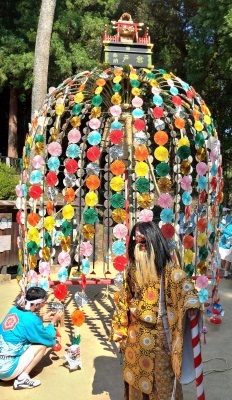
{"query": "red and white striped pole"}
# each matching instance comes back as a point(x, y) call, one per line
point(197, 357)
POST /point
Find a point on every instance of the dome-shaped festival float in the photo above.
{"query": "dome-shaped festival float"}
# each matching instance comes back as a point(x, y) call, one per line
point(110, 147)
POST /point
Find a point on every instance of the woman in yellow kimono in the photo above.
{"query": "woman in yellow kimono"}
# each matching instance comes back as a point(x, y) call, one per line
point(150, 321)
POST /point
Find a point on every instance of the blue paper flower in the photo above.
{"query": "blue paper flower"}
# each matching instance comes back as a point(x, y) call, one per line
point(157, 99)
point(53, 163)
point(116, 125)
point(202, 183)
point(167, 215)
point(44, 284)
point(119, 248)
point(203, 295)
point(85, 266)
point(36, 176)
point(186, 198)
point(137, 113)
point(24, 189)
point(62, 274)
point(213, 170)
point(94, 138)
point(73, 150)
point(185, 85)
point(173, 90)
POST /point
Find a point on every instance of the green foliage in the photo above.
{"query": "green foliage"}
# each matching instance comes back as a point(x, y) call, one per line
point(8, 181)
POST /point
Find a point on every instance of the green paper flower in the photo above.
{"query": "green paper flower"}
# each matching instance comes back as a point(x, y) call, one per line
point(199, 139)
point(142, 185)
point(96, 100)
point(135, 83)
point(189, 269)
point(212, 238)
point(116, 87)
point(184, 152)
point(162, 169)
point(117, 201)
point(39, 138)
point(66, 228)
point(203, 253)
point(76, 110)
point(90, 216)
point(150, 75)
point(47, 239)
point(32, 248)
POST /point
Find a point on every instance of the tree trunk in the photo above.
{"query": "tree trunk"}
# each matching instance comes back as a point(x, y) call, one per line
point(13, 121)
point(42, 48)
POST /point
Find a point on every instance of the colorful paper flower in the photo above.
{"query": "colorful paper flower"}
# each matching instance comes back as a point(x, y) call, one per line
point(38, 162)
point(92, 182)
point(186, 182)
point(53, 163)
point(116, 136)
point(55, 149)
point(49, 223)
point(60, 291)
point(68, 212)
point(141, 168)
point(188, 242)
point(161, 153)
point(94, 123)
point(118, 248)
point(94, 138)
point(85, 266)
point(117, 200)
point(120, 231)
point(74, 135)
point(90, 216)
point(78, 318)
point(167, 215)
point(203, 295)
point(120, 263)
point(93, 153)
point(188, 256)
point(64, 258)
point(117, 184)
point(44, 268)
point(115, 111)
point(202, 281)
point(88, 231)
point(201, 168)
point(145, 216)
point(186, 198)
point(119, 215)
point(165, 200)
point(86, 249)
point(141, 153)
point(62, 274)
point(117, 167)
point(162, 169)
point(161, 138)
point(202, 239)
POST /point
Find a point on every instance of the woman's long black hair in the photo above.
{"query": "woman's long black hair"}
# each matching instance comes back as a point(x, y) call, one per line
point(154, 238)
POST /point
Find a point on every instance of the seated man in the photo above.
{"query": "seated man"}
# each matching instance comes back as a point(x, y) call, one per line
point(24, 339)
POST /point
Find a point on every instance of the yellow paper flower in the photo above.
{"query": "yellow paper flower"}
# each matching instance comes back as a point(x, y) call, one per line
point(98, 90)
point(164, 184)
point(65, 243)
point(136, 91)
point(119, 215)
point(161, 153)
point(134, 77)
point(29, 140)
point(54, 133)
point(202, 239)
point(78, 98)
point(141, 168)
point(32, 261)
point(117, 184)
point(201, 268)
point(20, 255)
point(188, 256)
point(96, 112)
point(49, 223)
point(33, 234)
point(166, 76)
point(91, 199)
point(46, 254)
point(116, 99)
point(183, 142)
point(39, 148)
point(88, 231)
point(68, 212)
point(117, 79)
point(207, 119)
point(25, 162)
point(75, 121)
point(59, 109)
point(198, 126)
point(144, 200)
point(154, 83)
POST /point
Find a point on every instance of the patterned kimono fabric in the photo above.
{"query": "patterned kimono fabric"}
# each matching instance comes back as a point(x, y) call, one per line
point(150, 370)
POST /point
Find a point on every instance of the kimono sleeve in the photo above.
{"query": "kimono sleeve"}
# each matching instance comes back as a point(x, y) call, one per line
point(120, 317)
point(36, 333)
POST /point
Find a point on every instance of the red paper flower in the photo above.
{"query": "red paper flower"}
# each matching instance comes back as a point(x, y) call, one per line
point(120, 263)
point(139, 124)
point(33, 219)
point(176, 100)
point(201, 224)
point(83, 281)
point(188, 242)
point(71, 166)
point(60, 291)
point(93, 153)
point(51, 178)
point(116, 136)
point(35, 192)
point(168, 231)
point(158, 112)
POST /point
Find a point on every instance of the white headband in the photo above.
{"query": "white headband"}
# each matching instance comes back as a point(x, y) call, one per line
point(29, 303)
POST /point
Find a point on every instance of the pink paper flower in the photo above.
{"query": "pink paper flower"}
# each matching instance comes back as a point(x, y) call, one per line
point(186, 182)
point(201, 168)
point(145, 216)
point(18, 191)
point(44, 268)
point(202, 281)
point(38, 162)
point(86, 249)
point(165, 200)
point(33, 276)
point(120, 231)
point(64, 259)
point(137, 101)
point(213, 155)
point(55, 149)
point(94, 123)
point(74, 135)
point(25, 176)
point(115, 111)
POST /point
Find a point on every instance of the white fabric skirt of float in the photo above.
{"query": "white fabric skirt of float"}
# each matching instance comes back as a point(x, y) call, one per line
point(226, 254)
